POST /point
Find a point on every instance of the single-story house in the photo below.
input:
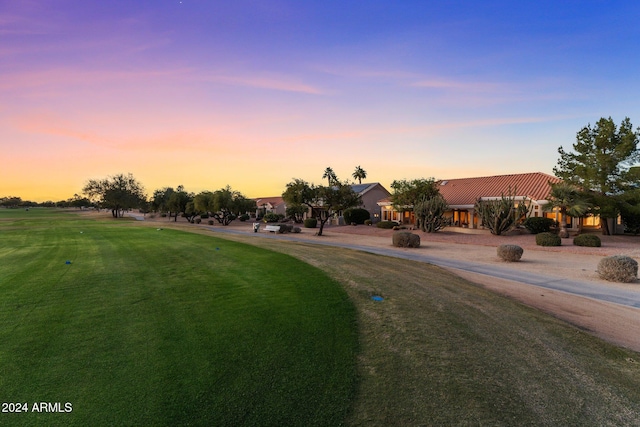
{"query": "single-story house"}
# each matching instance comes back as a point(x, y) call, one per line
point(370, 194)
point(270, 204)
point(461, 195)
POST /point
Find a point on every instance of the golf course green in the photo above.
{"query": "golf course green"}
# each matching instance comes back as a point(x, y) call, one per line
point(103, 322)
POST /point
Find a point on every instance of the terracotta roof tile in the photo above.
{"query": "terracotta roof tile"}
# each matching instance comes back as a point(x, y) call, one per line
point(465, 191)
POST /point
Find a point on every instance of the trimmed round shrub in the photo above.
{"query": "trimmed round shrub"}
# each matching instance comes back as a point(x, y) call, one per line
point(296, 229)
point(590, 240)
point(310, 222)
point(537, 224)
point(368, 222)
point(356, 216)
point(548, 239)
point(386, 224)
point(405, 239)
point(618, 268)
point(510, 253)
point(244, 217)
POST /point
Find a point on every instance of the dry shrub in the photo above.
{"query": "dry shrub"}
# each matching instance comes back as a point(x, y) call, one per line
point(405, 239)
point(510, 253)
point(618, 268)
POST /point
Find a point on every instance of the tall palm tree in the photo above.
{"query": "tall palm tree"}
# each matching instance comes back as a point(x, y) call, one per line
point(359, 174)
point(331, 176)
point(569, 200)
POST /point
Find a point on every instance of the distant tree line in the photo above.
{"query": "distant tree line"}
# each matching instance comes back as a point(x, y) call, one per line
point(601, 177)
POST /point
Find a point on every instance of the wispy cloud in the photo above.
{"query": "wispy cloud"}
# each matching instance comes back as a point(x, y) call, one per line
point(280, 83)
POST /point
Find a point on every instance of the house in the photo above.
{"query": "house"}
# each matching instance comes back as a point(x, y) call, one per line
point(270, 204)
point(461, 195)
point(370, 194)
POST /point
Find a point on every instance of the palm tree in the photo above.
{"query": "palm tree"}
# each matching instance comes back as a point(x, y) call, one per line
point(569, 200)
point(359, 174)
point(331, 176)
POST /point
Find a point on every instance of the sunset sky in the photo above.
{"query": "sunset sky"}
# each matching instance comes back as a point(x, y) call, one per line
point(251, 94)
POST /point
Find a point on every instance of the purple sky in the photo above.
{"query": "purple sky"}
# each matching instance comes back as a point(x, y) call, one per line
point(253, 94)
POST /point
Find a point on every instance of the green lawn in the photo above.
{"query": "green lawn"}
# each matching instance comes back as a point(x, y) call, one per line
point(162, 327)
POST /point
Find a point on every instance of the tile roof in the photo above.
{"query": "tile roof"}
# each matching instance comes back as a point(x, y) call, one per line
point(465, 191)
point(273, 201)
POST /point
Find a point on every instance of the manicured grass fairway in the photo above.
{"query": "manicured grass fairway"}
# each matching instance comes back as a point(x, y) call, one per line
point(149, 327)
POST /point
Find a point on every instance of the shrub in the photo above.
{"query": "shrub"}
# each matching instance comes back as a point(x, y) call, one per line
point(210, 222)
point(356, 215)
point(163, 215)
point(244, 217)
point(271, 217)
point(285, 228)
point(368, 222)
point(405, 239)
point(204, 216)
point(510, 253)
point(501, 215)
point(548, 239)
point(310, 222)
point(296, 229)
point(386, 224)
point(537, 225)
point(198, 220)
point(618, 268)
point(590, 240)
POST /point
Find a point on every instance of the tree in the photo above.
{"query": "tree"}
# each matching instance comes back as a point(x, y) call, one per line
point(160, 200)
point(330, 175)
point(118, 193)
point(569, 200)
point(359, 174)
point(430, 213)
point(179, 202)
point(406, 194)
point(600, 164)
point(501, 215)
point(323, 201)
point(629, 205)
point(228, 204)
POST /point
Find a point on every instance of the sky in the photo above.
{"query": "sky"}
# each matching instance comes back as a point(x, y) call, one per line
point(252, 94)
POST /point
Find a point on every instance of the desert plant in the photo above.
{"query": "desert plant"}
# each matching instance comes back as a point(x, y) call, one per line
point(386, 224)
point(244, 217)
point(430, 213)
point(310, 223)
point(368, 222)
point(618, 268)
point(356, 215)
point(538, 224)
point(296, 229)
point(510, 253)
point(590, 240)
point(271, 217)
point(210, 222)
point(198, 220)
point(548, 239)
point(502, 214)
point(405, 239)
